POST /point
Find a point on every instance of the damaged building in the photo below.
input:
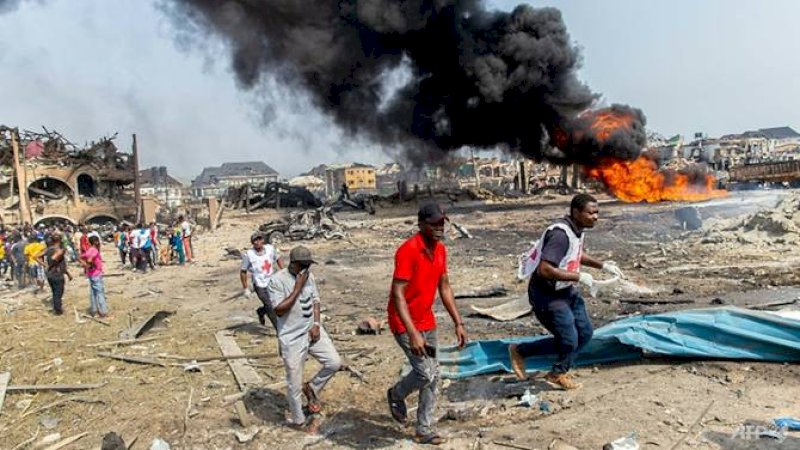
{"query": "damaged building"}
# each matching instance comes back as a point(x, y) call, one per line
point(64, 182)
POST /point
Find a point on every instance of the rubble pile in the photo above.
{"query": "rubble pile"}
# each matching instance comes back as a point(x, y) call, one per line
point(304, 225)
point(65, 181)
point(777, 225)
point(270, 195)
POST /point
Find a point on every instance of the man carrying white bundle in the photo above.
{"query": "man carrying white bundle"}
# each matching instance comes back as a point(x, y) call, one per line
point(558, 305)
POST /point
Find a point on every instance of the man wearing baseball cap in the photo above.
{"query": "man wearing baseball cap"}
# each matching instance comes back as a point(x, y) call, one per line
point(295, 299)
point(260, 262)
point(420, 270)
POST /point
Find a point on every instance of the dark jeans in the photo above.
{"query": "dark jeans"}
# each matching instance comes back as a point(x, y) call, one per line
point(57, 288)
point(571, 327)
point(19, 273)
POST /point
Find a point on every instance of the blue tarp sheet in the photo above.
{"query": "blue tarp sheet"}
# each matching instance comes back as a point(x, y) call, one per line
point(717, 333)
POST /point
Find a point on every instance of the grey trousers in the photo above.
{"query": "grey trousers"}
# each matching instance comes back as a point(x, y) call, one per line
point(424, 377)
point(294, 353)
point(263, 295)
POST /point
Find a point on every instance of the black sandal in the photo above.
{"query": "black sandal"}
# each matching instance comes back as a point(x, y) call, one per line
point(429, 439)
point(397, 408)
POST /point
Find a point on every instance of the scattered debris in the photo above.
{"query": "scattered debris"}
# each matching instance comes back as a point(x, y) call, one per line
point(246, 436)
point(512, 445)
point(112, 441)
point(304, 225)
point(159, 444)
point(624, 443)
point(506, 312)
point(48, 422)
point(192, 366)
point(354, 372)
point(772, 304)
point(370, 326)
point(270, 195)
point(241, 412)
point(124, 342)
point(558, 444)
point(462, 230)
point(527, 400)
point(67, 441)
point(95, 319)
point(53, 387)
point(789, 423)
point(657, 301)
point(188, 409)
point(691, 428)
point(490, 292)
point(4, 379)
point(133, 359)
point(144, 325)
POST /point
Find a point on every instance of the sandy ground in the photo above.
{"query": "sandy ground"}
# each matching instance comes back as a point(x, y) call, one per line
point(660, 400)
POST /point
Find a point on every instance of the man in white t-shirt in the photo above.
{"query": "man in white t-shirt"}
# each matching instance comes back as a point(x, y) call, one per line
point(261, 262)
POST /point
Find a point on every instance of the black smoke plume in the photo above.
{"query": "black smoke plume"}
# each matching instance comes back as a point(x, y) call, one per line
point(479, 78)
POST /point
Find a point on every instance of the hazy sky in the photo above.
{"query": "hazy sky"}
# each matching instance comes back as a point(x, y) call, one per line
point(90, 68)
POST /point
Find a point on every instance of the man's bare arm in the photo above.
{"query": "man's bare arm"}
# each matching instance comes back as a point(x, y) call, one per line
point(448, 299)
point(550, 272)
point(449, 302)
point(587, 260)
point(401, 305)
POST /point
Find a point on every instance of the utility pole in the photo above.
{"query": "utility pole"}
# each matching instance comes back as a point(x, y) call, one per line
point(137, 195)
point(475, 169)
point(19, 169)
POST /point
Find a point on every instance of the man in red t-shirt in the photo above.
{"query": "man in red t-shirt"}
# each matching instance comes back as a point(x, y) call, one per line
point(420, 269)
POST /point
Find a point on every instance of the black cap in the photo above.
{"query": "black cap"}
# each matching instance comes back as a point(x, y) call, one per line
point(256, 235)
point(431, 213)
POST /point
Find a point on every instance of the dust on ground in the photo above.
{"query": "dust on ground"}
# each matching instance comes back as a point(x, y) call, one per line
point(745, 254)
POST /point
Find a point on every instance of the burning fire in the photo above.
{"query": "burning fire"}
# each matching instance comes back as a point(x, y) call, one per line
point(606, 122)
point(641, 180)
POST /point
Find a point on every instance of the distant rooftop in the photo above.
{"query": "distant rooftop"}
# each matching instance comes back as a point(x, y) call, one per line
point(158, 176)
point(212, 175)
point(771, 133)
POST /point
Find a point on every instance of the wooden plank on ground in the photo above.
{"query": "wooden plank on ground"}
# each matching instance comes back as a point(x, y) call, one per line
point(245, 375)
point(53, 387)
point(67, 441)
point(132, 359)
point(241, 411)
point(4, 378)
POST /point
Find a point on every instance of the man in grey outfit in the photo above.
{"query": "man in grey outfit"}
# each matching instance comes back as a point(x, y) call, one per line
point(295, 298)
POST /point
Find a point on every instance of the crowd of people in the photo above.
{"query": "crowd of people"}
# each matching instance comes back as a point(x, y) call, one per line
point(143, 246)
point(31, 256)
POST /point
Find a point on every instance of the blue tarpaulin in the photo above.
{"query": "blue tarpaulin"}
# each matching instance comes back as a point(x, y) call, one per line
point(717, 333)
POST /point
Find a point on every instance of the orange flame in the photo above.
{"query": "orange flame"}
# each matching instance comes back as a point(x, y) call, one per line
point(606, 122)
point(641, 180)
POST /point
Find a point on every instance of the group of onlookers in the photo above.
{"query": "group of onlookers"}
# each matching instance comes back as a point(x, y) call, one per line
point(31, 256)
point(142, 245)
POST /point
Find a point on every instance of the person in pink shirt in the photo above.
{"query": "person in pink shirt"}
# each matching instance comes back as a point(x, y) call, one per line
point(92, 262)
